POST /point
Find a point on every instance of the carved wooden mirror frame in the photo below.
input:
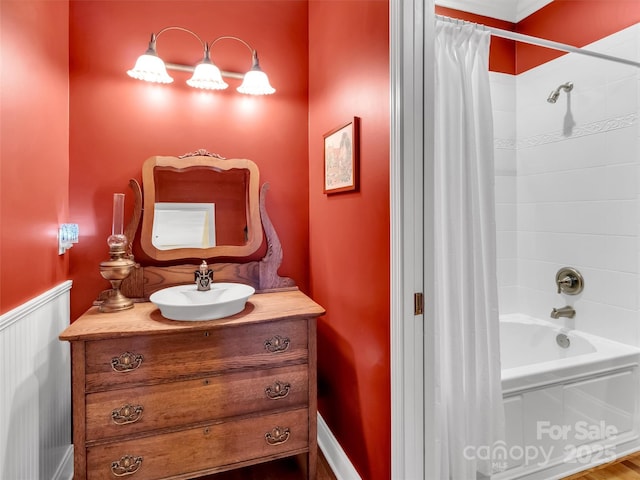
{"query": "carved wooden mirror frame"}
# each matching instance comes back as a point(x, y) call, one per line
point(178, 164)
point(261, 274)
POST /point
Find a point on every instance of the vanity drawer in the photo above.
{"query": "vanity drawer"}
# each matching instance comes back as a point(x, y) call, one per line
point(152, 359)
point(131, 410)
point(198, 449)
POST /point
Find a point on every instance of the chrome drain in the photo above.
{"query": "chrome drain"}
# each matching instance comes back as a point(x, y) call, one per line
point(563, 341)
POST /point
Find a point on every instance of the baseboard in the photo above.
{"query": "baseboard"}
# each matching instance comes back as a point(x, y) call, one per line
point(65, 469)
point(333, 452)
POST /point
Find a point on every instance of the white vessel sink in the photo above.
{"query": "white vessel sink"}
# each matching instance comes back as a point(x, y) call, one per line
point(185, 302)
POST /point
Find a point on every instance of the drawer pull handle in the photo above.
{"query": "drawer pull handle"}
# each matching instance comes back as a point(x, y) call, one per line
point(126, 362)
point(126, 414)
point(277, 390)
point(277, 344)
point(127, 465)
point(277, 436)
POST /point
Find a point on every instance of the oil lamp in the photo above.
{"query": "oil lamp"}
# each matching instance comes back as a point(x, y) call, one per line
point(119, 265)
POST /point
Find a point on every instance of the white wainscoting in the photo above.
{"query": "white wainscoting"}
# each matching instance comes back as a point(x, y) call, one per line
point(35, 389)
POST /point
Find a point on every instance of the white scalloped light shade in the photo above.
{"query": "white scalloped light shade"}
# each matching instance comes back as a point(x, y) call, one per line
point(207, 76)
point(256, 82)
point(150, 69)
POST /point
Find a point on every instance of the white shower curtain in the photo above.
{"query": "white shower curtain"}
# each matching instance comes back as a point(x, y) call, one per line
point(469, 409)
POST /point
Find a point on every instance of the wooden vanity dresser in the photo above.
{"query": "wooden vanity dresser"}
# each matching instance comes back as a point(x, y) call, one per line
point(161, 399)
point(157, 399)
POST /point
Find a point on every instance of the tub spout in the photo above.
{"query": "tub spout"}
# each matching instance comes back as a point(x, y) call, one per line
point(567, 311)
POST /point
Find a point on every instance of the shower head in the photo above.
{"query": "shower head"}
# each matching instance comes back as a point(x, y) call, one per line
point(553, 96)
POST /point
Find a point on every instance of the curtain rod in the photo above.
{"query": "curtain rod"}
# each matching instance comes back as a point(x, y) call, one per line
point(541, 42)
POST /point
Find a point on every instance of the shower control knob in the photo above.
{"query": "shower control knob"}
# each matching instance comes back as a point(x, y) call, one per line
point(569, 281)
point(566, 282)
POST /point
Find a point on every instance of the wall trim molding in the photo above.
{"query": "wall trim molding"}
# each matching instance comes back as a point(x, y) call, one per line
point(593, 128)
point(21, 311)
point(65, 469)
point(35, 367)
point(601, 126)
point(413, 438)
point(504, 143)
point(333, 452)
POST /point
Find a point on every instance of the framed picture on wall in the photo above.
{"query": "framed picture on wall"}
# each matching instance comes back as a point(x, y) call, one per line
point(341, 157)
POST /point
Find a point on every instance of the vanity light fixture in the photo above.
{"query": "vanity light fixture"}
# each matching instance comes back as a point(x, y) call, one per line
point(206, 75)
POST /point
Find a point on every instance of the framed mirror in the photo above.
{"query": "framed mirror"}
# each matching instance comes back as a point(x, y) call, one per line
point(200, 206)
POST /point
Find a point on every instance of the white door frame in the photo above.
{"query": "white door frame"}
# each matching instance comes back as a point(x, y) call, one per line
point(413, 445)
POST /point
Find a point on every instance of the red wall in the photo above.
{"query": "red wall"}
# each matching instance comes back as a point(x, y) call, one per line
point(349, 232)
point(118, 122)
point(34, 141)
point(574, 22)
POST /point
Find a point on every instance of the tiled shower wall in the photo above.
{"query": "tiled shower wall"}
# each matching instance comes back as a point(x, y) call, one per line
point(568, 185)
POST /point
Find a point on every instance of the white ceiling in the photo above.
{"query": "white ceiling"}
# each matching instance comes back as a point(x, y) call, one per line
point(510, 10)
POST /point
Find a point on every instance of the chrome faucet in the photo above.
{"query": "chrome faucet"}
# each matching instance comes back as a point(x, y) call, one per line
point(567, 311)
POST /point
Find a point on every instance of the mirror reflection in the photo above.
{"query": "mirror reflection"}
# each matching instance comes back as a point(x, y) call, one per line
point(184, 225)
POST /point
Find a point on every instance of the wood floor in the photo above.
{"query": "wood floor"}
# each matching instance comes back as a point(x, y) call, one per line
point(627, 468)
point(285, 469)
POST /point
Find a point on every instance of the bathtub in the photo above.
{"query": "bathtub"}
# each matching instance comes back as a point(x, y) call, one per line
point(566, 409)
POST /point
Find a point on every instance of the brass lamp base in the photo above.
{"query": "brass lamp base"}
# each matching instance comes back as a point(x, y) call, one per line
point(116, 269)
point(115, 302)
